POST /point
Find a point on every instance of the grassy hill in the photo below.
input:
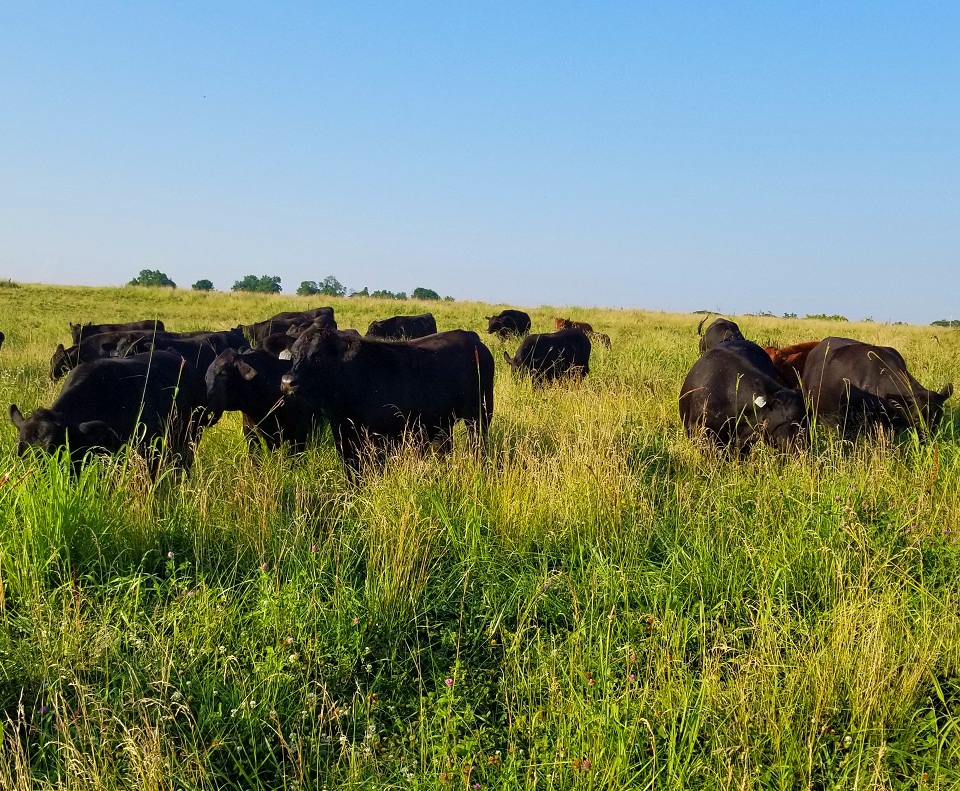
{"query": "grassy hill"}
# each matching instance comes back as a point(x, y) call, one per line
point(595, 604)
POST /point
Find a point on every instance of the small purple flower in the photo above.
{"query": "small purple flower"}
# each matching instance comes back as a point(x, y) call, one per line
point(448, 682)
point(585, 764)
point(313, 547)
point(263, 567)
point(44, 709)
point(633, 676)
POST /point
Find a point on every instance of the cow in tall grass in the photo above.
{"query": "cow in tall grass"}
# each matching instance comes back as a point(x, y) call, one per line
point(156, 401)
point(550, 356)
point(377, 394)
point(734, 394)
point(508, 323)
point(403, 327)
point(856, 386)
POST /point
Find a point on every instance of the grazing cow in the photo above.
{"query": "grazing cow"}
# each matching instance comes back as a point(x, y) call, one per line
point(277, 344)
point(509, 323)
point(106, 344)
point(109, 402)
point(567, 324)
point(80, 331)
point(735, 393)
point(401, 328)
point(552, 355)
point(854, 386)
point(719, 331)
point(375, 394)
point(789, 360)
point(249, 382)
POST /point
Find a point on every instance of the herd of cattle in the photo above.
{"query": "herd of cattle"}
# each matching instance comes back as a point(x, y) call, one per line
point(137, 383)
point(403, 381)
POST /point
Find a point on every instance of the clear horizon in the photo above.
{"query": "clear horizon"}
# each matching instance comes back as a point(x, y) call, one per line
point(738, 158)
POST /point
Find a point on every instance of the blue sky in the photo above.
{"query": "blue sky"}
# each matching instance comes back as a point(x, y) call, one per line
point(799, 157)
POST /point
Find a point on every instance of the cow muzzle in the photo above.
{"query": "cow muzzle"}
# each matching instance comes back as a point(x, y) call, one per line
point(289, 384)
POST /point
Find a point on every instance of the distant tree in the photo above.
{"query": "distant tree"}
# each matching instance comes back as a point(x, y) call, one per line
point(202, 285)
point(425, 293)
point(789, 315)
point(364, 292)
point(384, 294)
point(152, 277)
point(946, 323)
point(307, 288)
point(331, 287)
point(448, 299)
point(265, 284)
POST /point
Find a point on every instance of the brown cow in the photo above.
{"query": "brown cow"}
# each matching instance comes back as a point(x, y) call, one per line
point(789, 360)
point(596, 337)
point(567, 324)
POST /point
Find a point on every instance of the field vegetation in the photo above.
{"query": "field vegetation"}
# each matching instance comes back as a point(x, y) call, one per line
point(597, 602)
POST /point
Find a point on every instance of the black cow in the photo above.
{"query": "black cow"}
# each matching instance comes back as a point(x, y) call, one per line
point(80, 331)
point(509, 323)
point(322, 321)
point(108, 402)
point(262, 329)
point(307, 316)
point(95, 347)
point(719, 331)
point(200, 349)
point(735, 393)
point(277, 344)
point(853, 386)
point(553, 355)
point(1, 340)
point(249, 382)
point(379, 393)
point(403, 327)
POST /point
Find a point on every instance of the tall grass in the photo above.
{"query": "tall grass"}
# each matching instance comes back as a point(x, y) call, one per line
point(595, 603)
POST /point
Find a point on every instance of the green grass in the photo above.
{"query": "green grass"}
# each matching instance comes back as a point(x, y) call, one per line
point(595, 604)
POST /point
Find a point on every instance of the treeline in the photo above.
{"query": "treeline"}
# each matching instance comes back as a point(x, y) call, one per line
point(270, 284)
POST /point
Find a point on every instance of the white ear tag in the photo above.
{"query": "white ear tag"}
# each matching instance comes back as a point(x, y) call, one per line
point(760, 401)
point(286, 355)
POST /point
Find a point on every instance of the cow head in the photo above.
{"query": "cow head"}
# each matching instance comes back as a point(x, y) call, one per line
point(47, 431)
point(316, 354)
point(925, 409)
point(781, 416)
point(63, 361)
point(494, 324)
point(226, 379)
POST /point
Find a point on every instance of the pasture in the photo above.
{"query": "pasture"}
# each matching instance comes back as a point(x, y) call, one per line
point(594, 603)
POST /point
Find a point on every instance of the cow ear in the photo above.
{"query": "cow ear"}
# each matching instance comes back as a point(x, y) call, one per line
point(15, 417)
point(760, 401)
point(946, 392)
point(60, 349)
point(99, 434)
point(246, 370)
point(508, 358)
